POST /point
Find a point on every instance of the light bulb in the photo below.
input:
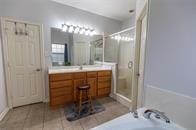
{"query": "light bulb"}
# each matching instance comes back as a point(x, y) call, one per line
point(64, 28)
point(82, 31)
point(116, 37)
point(123, 38)
point(119, 38)
point(126, 39)
point(92, 33)
point(87, 32)
point(71, 29)
point(77, 29)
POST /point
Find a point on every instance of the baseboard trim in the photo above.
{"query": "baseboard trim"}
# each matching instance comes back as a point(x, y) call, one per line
point(3, 114)
point(46, 100)
point(123, 100)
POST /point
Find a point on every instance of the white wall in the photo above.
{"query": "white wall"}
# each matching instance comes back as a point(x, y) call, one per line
point(52, 14)
point(59, 37)
point(130, 22)
point(171, 46)
point(111, 50)
point(170, 68)
point(179, 108)
point(3, 100)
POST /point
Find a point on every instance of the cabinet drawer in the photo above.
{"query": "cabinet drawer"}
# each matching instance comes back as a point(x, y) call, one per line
point(104, 73)
point(61, 91)
point(60, 77)
point(93, 86)
point(104, 85)
point(103, 91)
point(61, 84)
point(62, 100)
point(79, 75)
point(91, 74)
point(104, 79)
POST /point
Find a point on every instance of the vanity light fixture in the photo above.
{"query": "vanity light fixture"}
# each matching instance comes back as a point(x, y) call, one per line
point(122, 38)
point(77, 29)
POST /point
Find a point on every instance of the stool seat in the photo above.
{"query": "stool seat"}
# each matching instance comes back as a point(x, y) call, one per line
point(83, 87)
point(84, 97)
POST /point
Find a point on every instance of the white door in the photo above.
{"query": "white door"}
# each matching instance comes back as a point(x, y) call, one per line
point(141, 59)
point(24, 60)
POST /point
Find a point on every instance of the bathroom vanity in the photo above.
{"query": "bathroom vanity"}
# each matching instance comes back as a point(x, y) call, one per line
point(63, 83)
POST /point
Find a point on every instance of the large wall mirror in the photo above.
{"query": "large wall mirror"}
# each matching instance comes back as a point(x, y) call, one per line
point(69, 49)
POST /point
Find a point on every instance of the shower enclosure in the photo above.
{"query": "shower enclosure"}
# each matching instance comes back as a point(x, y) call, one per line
point(119, 48)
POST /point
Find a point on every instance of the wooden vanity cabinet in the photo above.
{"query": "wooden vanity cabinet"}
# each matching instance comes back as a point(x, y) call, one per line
point(61, 89)
point(63, 86)
point(92, 81)
point(104, 83)
point(79, 79)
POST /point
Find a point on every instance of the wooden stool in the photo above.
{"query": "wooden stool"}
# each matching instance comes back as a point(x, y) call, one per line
point(83, 99)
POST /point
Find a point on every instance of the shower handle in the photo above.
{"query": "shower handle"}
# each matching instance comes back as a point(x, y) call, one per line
point(130, 64)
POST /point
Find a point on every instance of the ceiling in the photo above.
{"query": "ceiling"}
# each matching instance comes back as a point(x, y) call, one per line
point(115, 9)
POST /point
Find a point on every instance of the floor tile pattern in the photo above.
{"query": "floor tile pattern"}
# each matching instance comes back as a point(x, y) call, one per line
point(41, 117)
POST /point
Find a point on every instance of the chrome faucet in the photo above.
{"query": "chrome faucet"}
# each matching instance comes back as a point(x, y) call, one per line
point(81, 67)
point(157, 113)
point(135, 114)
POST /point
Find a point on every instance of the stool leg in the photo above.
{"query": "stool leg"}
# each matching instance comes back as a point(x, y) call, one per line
point(80, 103)
point(90, 102)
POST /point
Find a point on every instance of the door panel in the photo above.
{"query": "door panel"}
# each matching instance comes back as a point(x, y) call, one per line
point(34, 63)
point(19, 57)
point(33, 88)
point(20, 85)
point(24, 58)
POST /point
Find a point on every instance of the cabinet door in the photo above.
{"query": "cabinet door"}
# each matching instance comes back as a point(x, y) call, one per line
point(93, 84)
point(78, 82)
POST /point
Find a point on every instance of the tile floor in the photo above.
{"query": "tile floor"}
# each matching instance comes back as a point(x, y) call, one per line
point(41, 117)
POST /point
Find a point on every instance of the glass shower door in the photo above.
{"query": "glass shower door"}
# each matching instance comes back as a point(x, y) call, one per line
point(119, 48)
point(125, 64)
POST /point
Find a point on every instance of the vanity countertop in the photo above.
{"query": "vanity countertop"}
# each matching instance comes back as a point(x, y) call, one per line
point(56, 70)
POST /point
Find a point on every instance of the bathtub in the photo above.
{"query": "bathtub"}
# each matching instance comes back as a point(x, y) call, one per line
point(128, 122)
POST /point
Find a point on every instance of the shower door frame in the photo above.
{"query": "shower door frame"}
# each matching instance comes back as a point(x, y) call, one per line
point(138, 96)
point(119, 97)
